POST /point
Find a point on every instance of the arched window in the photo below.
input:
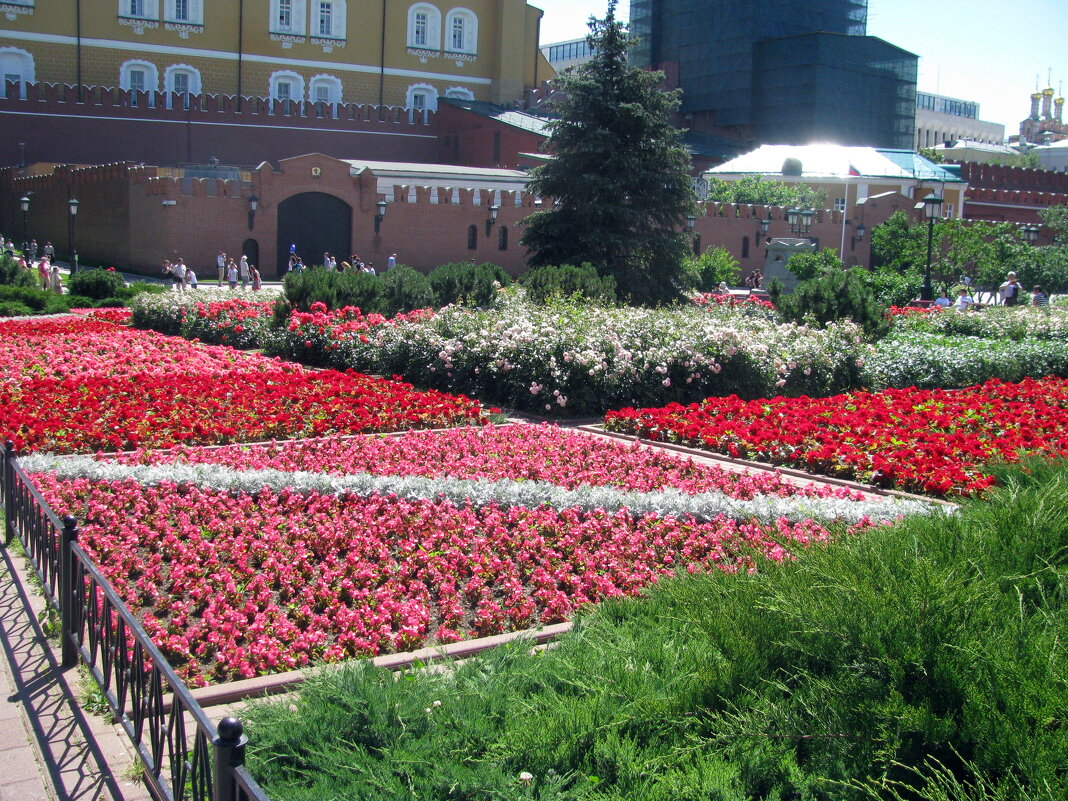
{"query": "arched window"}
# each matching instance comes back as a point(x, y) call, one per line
point(329, 18)
point(16, 66)
point(188, 12)
point(421, 97)
point(324, 89)
point(287, 16)
point(424, 27)
point(461, 31)
point(472, 237)
point(459, 93)
point(502, 238)
point(286, 85)
point(183, 80)
point(139, 76)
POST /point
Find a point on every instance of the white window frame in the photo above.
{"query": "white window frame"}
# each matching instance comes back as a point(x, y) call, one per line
point(293, 78)
point(193, 83)
point(470, 31)
point(433, 27)
point(196, 12)
point(149, 9)
point(839, 204)
point(151, 77)
point(298, 15)
point(331, 82)
point(338, 13)
point(427, 92)
point(459, 93)
point(11, 57)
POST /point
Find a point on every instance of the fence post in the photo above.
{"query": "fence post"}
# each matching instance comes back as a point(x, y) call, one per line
point(66, 593)
point(9, 491)
point(229, 754)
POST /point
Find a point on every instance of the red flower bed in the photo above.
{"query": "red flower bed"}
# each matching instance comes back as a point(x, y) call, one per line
point(931, 441)
point(78, 386)
point(231, 585)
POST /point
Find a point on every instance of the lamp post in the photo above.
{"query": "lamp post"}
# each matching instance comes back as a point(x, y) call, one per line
point(493, 210)
point(24, 203)
point(380, 215)
point(800, 220)
point(1030, 232)
point(691, 221)
point(932, 207)
point(253, 204)
point(764, 225)
point(73, 206)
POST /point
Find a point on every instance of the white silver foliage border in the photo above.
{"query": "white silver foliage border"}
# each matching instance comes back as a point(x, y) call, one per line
point(480, 492)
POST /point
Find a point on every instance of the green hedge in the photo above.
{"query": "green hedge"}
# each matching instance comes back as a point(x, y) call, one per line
point(467, 284)
point(920, 661)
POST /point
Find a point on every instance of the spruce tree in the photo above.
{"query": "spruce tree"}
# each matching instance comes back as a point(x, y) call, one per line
point(619, 177)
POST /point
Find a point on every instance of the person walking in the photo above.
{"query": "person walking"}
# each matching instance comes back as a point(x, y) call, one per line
point(242, 269)
point(44, 273)
point(55, 281)
point(220, 263)
point(190, 278)
point(50, 252)
point(231, 275)
point(391, 262)
point(256, 281)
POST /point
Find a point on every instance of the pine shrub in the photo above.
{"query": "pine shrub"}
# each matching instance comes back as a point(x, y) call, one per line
point(96, 284)
point(831, 296)
point(543, 284)
point(467, 284)
point(335, 290)
point(404, 290)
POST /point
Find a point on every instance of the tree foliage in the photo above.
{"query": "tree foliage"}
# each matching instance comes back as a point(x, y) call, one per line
point(620, 176)
point(982, 251)
point(761, 191)
point(713, 267)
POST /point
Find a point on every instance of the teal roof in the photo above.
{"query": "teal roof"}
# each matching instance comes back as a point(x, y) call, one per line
point(921, 168)
point(517, 119)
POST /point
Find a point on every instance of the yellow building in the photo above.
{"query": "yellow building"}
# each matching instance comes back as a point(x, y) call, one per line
point(389, 52)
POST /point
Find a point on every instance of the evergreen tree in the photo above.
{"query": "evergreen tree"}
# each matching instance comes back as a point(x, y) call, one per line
point(620, 177)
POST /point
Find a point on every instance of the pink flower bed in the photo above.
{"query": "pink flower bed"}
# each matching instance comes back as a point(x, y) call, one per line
point(522, 452)
point(232, 585)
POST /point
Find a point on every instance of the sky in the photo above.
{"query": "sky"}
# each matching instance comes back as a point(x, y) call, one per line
point(981, 51)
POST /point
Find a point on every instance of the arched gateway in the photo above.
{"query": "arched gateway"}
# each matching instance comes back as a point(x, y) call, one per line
point(316, 223)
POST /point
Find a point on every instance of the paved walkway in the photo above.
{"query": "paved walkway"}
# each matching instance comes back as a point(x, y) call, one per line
point(50, 749)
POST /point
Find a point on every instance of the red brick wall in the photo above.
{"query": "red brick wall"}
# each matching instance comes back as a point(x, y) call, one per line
point(103, 127)
point(123, 219)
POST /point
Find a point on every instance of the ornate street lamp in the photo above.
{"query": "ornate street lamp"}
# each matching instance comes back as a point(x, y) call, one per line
point(493, 210)
point(932, 208)
point(24, 203)
point(380, 215)
point(72, 234)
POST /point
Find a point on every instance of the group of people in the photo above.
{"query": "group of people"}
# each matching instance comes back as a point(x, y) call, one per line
point(331, 264)
point(1009, 293)
point(183, 277)
point(238, 271)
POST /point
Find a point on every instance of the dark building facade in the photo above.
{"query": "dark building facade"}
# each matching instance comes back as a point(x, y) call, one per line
point(780, 71)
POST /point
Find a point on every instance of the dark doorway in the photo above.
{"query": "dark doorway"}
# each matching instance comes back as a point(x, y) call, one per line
point(316, 223)
point(251, 248)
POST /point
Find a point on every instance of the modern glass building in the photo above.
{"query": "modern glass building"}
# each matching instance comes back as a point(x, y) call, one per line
point(783, 71)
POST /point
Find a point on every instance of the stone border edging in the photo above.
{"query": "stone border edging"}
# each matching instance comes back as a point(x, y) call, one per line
point(768, 467)
point(262, 686)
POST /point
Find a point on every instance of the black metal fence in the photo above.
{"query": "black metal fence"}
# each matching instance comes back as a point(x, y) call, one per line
point(185, 756)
